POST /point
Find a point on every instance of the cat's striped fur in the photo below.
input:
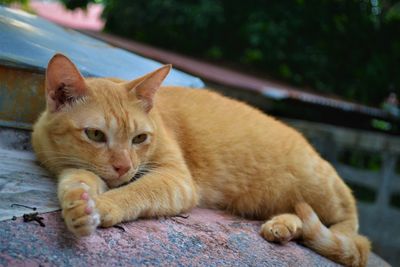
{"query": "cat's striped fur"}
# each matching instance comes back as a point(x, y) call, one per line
point(199, 148)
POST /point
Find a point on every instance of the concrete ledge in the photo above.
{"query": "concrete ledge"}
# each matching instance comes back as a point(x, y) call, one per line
point(205, 238)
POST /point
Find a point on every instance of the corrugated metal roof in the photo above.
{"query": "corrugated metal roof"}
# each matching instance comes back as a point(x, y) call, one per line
point(27, 41)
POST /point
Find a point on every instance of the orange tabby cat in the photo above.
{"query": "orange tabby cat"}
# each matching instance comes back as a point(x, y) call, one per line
point(184, 148)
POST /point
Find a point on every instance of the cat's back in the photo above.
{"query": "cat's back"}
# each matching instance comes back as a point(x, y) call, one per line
point(188, 104)
point(209, 112)
point(207, 123)
point(204, 111)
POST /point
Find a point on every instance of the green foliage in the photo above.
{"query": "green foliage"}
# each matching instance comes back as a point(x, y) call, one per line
point(8, 2)
point(72, 4)
point(393, 13)
point(346, 47)
point(361, 159)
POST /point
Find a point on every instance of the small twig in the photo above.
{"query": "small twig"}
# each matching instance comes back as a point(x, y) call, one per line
point(39, 220)
point(20, 205)
point(33, 217)
point(119, 227)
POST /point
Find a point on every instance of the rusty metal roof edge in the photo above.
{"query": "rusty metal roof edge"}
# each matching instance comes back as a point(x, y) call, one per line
point(280, 94)
point(15, 124)
point(29, 67)
point(20, 65)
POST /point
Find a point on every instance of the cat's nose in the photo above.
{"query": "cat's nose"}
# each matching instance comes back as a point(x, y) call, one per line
point(121, 169)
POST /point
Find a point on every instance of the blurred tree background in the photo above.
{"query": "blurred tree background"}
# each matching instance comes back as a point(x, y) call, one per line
point(349, 48)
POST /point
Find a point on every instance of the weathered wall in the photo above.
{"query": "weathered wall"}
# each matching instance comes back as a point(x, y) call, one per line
point(21, 96)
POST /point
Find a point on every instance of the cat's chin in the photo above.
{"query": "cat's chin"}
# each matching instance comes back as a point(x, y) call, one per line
point(113, 183)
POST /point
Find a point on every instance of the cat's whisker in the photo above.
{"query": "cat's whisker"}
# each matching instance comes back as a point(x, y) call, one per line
point(65, 160)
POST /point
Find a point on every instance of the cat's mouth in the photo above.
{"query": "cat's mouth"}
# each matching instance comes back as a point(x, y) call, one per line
point(140, 171)
point(137, 176)
point(115, 183)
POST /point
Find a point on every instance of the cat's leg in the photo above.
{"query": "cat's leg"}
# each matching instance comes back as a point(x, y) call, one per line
point(340, 242)
point(76, 190)
point(163, 191)
point(282, 228)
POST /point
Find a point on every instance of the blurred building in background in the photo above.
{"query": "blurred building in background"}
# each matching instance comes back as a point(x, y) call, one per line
point(79, 19)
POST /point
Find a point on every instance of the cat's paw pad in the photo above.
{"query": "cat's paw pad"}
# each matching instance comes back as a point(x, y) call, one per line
point(281, 230)
point(79, 210)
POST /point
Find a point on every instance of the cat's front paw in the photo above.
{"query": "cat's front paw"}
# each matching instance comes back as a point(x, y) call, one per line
point(110, 213)
point(79, 210)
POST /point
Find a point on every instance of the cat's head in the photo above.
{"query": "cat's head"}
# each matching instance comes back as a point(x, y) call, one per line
point(102, 125)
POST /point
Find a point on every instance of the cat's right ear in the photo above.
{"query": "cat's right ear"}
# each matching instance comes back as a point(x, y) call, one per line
point(64, 83)
point(145, 87)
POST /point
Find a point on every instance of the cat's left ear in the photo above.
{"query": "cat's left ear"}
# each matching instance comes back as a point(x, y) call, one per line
point(64, 83)
point(145, 87)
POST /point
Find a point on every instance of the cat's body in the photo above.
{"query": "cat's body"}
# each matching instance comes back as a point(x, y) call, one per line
point(199, 148)
point(244, 160)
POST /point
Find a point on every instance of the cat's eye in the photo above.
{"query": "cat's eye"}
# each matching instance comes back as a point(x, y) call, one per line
point(96, 135)
point(138, 139)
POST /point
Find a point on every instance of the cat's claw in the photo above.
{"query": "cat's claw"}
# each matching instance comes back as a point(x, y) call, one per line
point(79, 210)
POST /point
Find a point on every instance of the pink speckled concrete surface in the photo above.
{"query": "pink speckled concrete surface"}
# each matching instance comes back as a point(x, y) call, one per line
point(205, 238)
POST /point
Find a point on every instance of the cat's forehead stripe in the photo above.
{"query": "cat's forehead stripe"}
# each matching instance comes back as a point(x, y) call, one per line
point(113, 127)
point(117, 116)
point(117, 127)
point(112, 130)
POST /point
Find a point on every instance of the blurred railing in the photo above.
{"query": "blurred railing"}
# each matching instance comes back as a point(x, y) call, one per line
point(379, 216)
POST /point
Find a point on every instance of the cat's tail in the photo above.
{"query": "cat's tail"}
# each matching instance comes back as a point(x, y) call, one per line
point(346, 248)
